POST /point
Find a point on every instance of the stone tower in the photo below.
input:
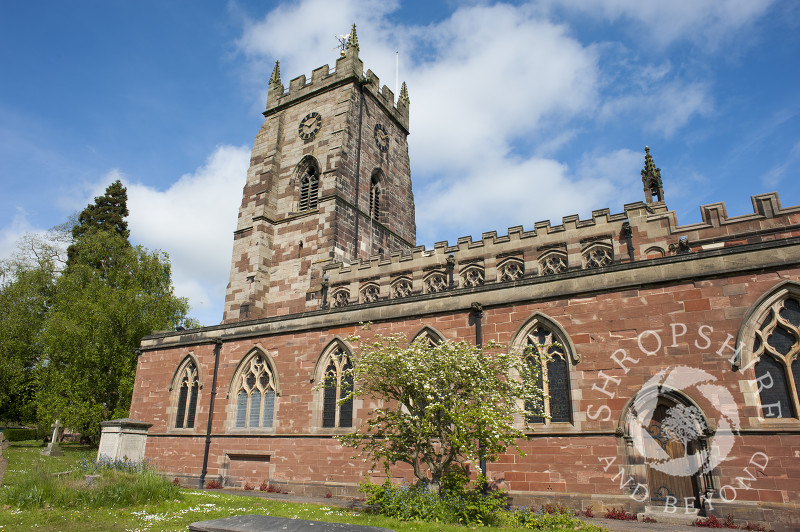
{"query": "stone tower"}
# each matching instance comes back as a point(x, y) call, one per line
point(329, 179)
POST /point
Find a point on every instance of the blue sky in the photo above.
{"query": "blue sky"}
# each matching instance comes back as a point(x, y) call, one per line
point(520, 111)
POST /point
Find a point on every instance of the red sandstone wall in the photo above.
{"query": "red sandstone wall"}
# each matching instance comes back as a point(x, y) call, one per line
point(567, 461)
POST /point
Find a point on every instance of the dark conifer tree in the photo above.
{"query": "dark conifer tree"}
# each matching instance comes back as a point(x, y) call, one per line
point(107, 213)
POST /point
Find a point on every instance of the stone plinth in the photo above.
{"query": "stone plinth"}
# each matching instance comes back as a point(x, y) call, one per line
point(123, 439)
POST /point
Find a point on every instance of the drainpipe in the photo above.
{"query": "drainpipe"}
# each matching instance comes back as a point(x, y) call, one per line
point(477, 310)
point(627, 232)
point(217, 346)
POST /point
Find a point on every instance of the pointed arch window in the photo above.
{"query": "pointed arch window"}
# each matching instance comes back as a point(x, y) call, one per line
point(548, 346)
point(338, 384)
point(255, 393)
point(188, 390)
point(375, 195)
point(776, 354)
point(309, 186)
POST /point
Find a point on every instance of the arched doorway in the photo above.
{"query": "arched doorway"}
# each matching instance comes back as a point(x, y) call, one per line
point(666, 446)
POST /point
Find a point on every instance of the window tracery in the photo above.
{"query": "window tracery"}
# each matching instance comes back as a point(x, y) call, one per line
point(511, 269)
point(553, 263)
point(547, 344)
point(776, 348)
point(401, 288)
point(472, 276)
point(338, 384)
point(435, 282)
point(370, 293)
point(255, 394)
point(597, 256)
point(189, 387)
point(341, 298)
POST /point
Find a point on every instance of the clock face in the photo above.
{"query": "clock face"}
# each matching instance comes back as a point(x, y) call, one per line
point(310, 125)
point(381, 138)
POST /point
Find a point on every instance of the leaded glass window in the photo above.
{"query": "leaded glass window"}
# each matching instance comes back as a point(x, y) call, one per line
point(255, 398)
point(187, 396)
point(338, 385)
point(776, 347)
point(545, 348)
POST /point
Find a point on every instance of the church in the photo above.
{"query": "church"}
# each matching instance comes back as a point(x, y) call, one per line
point(675, 388)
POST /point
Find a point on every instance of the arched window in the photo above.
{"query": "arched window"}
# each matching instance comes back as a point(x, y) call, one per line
point(309, 185)
point(255, 390)
point(375, 195)
point(547, 344)
point(188, 388)
point(337, 384)
point(430, 335)
point(773, 332)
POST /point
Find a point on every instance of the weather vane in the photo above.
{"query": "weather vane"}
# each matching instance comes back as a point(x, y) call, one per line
point(342, 43)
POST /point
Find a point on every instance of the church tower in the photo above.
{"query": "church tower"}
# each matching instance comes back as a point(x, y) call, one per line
point(329, 179)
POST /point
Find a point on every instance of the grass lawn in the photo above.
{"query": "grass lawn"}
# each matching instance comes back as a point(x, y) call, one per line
point(169, 515)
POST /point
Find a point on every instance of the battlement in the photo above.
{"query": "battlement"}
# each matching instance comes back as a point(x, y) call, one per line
point(641, 232)
point(349, 69)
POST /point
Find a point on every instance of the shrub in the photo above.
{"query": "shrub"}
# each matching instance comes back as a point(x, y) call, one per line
point(541, 519)
point(213, 485)
point(13, 435)
point(176, 481)
point(272, 488)
point(712, 522)
point(620, 514)
point(248, 487)
point(451, 505)
point(754, 526)
point(263, 487)
point(648, 519)
point(587, 512)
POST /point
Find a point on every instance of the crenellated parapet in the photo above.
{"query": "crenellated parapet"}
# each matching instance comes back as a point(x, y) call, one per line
point(642, 232)
point(349, 68)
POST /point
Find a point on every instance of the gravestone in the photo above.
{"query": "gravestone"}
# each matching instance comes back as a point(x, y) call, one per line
point(123, 439)
point(52, 448)
point(3, 460)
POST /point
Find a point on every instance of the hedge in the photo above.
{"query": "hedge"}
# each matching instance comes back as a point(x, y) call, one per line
point(20, 434)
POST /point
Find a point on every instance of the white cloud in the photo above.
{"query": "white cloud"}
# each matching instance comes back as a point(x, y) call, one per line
point(11, 234)
point(708, 22)
point(193, 220)
point(664, 108)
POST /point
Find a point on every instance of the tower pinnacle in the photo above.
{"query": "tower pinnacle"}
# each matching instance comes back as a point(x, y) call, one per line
point(651, 179)
point(276, 73)
point(404, 93)
point(352, 40)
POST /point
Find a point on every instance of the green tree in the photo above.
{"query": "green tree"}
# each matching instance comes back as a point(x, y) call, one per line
point(107, 213)
point(111, 295)
point(27, 285)
point(441, 405)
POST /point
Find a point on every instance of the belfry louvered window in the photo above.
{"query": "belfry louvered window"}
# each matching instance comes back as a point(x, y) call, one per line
point(338, 385)
point(309, 188)
point(375, 196)
point(187, 396)
point(255, 398)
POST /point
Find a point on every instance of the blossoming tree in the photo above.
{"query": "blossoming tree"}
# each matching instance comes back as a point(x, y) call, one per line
point(441, 404)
